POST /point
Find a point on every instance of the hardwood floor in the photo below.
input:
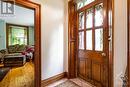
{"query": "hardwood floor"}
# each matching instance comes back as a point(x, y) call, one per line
point(19, 77)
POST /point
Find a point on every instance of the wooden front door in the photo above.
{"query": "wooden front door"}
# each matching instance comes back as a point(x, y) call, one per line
point(93, 43)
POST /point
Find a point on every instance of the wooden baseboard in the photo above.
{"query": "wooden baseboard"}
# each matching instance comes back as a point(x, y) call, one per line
point(53, 79)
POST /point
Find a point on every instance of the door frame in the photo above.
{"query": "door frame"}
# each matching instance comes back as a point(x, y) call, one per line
point(72, 62)
point(37, 60)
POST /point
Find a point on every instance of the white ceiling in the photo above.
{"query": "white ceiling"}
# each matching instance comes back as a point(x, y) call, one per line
point(23, 16)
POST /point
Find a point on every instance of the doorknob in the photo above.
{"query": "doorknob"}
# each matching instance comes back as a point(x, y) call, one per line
point(103, 54)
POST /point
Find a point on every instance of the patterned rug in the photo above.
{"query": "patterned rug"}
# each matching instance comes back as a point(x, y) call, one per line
point(3, 72)
point(68, 83)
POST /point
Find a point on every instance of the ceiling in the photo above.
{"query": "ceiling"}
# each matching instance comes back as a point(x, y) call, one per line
point(22, 16)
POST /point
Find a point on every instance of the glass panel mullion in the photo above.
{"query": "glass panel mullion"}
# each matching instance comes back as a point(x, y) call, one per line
point(85, 30)
point(93, 30)
point(98, 27)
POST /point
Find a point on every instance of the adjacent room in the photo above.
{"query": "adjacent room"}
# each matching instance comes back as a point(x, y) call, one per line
point(17, 48)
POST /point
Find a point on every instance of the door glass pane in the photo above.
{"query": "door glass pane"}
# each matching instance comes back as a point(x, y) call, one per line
point(86, 2)
point(89, 40)
point(81, 21)
point(99, 15)
point(81, 40)
point(99, 39)
point(80, 4)
point(89, 18)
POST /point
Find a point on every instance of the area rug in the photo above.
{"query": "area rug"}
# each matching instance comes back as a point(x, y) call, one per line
point(68, 83)
point(3, 72)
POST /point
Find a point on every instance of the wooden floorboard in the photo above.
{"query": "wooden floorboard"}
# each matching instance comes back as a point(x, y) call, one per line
point(19, 77)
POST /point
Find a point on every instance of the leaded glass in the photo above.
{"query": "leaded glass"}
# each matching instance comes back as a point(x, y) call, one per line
point(81, 40)
point(99, 15)
point(81, 21)
point(86, 2)
point(89, 18)
point(89, 40)
point(82, 3)
point(99, 39)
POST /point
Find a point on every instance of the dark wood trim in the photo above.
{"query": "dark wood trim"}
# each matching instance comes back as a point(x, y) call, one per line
point(37, 60)
point(90, 5)
point(8, 27)
point(18, 25)
point(72, 39)
point(53, 79)
point(111, 50)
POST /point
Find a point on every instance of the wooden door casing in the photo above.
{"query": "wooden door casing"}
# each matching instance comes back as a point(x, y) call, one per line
point(92, 66)
point(72, 39)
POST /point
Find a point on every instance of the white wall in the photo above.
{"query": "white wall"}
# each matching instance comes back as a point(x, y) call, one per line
point(66, 35)
point(2, 35)
point(54, 36)
point(120, 40)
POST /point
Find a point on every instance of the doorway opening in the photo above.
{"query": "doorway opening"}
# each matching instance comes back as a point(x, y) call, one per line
point(23, 34)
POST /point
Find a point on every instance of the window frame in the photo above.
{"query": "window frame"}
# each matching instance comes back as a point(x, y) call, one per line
point(8, 25)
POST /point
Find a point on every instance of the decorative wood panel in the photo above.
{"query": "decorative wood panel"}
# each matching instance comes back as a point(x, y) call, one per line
point(82, 67)
point(96, 71)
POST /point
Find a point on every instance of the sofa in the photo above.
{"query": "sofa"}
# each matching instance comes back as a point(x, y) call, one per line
point(16, 48)
point(15, 51)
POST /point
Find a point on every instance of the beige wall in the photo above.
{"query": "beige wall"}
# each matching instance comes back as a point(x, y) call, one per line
point(120, 40)
point(54, 37)
point(66, 35)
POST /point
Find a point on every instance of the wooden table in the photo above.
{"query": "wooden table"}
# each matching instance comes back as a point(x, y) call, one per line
point(14, 60)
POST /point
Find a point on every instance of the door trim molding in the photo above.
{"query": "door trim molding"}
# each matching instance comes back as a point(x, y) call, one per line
point(111, 54)
point(37, 60)
point(72, 61)
point(54, 79)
